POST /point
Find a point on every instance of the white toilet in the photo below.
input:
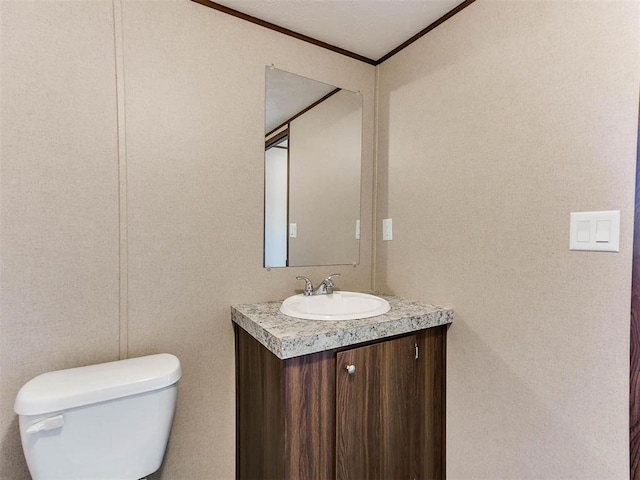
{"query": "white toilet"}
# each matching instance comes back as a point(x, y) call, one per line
point(101, 422)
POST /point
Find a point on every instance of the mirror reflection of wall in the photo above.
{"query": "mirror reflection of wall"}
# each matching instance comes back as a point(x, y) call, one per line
point(313, 146)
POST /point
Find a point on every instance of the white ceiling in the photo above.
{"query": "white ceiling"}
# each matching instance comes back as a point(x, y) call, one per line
point(371, 28)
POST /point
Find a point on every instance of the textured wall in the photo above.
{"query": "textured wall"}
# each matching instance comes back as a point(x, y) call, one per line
point(59, 198)
point(493, 127)
point(174, 240)
point(325, 146)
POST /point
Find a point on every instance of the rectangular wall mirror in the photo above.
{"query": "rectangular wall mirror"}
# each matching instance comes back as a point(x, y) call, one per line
point(313, 149)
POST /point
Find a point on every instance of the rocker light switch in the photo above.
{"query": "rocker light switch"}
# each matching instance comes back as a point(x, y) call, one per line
point(602, 231)
point(595, 231)
point(584, 231)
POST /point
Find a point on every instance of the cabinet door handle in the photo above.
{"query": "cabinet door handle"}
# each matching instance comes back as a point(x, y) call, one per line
point(351, 369)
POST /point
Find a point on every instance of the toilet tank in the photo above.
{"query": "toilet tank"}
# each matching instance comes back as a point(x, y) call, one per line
point(106, 421)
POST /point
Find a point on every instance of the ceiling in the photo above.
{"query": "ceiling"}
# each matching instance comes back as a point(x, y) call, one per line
point(369, 28)
point(288, 94)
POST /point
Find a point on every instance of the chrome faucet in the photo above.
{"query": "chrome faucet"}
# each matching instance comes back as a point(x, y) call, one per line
point(325, 287)
point(308, 286)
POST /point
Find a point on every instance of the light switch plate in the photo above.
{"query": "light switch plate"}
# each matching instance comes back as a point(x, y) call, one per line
point(595, 231)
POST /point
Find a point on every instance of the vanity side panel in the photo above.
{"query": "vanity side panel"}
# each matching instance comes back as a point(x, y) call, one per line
point(310, 416)
point(431, 399)
point(260, 418)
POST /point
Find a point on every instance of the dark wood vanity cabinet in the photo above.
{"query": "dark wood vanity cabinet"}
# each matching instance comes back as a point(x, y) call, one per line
point(375, 411)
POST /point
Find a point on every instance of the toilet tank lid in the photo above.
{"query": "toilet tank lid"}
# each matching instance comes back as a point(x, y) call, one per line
point(74, 387)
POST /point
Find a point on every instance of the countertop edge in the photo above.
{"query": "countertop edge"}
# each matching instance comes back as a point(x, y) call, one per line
point(288, 337)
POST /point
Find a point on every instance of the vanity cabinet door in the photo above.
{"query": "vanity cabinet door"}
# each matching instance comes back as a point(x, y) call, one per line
point(377, 414)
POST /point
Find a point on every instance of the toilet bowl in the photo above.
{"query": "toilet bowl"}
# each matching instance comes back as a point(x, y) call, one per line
point(109, 421)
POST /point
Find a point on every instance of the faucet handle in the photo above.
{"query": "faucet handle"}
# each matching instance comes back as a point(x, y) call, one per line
point(328, 280)
point(308, 286)
point(328, 283)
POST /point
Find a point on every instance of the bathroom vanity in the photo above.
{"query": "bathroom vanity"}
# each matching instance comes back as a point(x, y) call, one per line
point(350, 399)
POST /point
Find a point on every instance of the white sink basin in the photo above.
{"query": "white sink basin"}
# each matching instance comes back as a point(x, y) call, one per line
point(335, 306)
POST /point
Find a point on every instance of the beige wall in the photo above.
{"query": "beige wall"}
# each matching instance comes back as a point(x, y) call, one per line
point(325, 145)
point(181, 226)
point(493, 127)
point(59, 198)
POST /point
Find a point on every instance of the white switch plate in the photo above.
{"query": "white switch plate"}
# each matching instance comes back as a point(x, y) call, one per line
point(357, 229)
point(595, 231)
point(293, 230)
point(387, 229)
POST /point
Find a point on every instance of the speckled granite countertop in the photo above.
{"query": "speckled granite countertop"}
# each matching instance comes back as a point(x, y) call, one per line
point(288, 337)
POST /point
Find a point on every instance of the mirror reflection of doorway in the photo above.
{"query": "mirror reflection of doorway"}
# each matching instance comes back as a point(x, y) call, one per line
point(276, 194)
